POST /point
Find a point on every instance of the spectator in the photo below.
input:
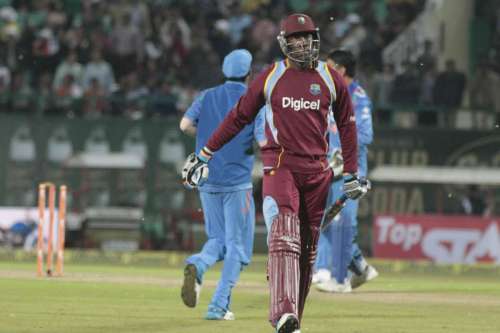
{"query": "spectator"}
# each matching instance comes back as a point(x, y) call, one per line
point(383, 85)
point(126, 46)
point(46, 46)
point(371, 48)
point(4, 89)
point(175, 35)
point(100, 70)
point(163, 101)
point(10, 28)
point(56, 17)
point(70, 66)
point(73, 39)
point(185, 96)
point(427, 59)
point(341, 24)
point(139, 16)
point(355, 35)
point(238, 22)
point(406, 86)
point(67, 94)
point(151, 73)
point(203, 62)
point(44, 96)
point(448, 92)
point(483, 88)
point(4, 74)
point(136, 97)
point(474, 202)
point(449, 87)
point(264, 33)
point(94, 100)
point(37, 15)
point(219, 38)
point(22, 95)
point(117, 99)
point(427, 85)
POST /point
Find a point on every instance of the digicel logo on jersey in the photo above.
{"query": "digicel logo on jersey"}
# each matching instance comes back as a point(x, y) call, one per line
point(299, 104)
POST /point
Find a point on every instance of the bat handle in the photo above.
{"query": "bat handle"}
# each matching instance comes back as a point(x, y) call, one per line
point(333, 210)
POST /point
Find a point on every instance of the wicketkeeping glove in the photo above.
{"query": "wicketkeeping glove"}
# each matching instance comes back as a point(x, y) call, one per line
point(353, 187)
point(195, 171)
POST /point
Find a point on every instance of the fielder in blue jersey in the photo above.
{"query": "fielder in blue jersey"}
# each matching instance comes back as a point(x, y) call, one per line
point(226, 196)
point(338, 253)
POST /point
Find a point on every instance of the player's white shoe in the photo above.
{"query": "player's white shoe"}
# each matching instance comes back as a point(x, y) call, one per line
point(229, 316)
point(216, 313)
point(191, 289)
point(288, 323)
point(322, 275)
point(332, 286)
point(368, 274)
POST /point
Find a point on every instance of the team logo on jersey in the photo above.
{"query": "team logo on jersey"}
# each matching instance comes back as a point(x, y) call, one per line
point(359, 92)
point(315, 89)
point(365, 113)
point(300, 104)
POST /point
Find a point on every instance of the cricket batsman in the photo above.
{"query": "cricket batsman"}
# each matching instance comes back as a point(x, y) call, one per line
point(226, 196)
point(298, 93)
point(339, 252)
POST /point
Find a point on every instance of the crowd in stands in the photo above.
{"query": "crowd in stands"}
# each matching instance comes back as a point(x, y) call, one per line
point(141, 58)
point(419, 85)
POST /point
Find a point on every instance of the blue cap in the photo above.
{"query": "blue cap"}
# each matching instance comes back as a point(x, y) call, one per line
point(237, 63)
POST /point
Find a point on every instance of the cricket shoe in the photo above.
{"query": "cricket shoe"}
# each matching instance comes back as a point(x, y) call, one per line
point(288, 323)
point(368, 274)
point(322, 275)
point(216, 313)
point(191, 289)
point(332, 286)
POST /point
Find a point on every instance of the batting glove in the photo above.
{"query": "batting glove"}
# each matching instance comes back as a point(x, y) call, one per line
point(353, 188)
point(337, 164)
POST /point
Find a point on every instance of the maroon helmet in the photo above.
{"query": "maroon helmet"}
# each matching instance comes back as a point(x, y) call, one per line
point(296, 24)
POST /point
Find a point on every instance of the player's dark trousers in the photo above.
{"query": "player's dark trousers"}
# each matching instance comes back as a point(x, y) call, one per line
point(299, 201)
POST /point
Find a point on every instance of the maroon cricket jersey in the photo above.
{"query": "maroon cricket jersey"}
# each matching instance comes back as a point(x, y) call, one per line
point(297, 103)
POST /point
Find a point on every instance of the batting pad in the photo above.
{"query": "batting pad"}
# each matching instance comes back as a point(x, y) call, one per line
point(283, 266)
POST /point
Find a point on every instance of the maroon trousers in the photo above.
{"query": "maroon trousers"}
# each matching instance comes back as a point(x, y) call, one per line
point(293, 238)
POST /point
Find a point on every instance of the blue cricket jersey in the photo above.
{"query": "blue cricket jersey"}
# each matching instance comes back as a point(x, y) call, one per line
point(362, 106)
point(231, 168)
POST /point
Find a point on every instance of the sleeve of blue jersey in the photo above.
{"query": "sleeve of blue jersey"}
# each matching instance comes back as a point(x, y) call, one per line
point(333, 138)
point(260, 125)
point(363, 110)
point(193, 112)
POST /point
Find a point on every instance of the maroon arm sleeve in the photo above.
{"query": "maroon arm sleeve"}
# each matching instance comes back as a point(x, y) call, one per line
point(243, 113)
point(346, 123)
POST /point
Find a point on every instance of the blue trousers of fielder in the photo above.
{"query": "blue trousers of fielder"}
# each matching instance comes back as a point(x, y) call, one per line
point(229, 225)
point(337, 245)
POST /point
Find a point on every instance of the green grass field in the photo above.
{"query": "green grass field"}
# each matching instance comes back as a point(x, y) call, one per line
point(140, 293)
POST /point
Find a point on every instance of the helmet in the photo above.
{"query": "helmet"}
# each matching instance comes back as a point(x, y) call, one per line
point(294, 24)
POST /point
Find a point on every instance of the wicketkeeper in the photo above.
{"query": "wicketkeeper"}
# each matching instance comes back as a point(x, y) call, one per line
point(226, 195)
